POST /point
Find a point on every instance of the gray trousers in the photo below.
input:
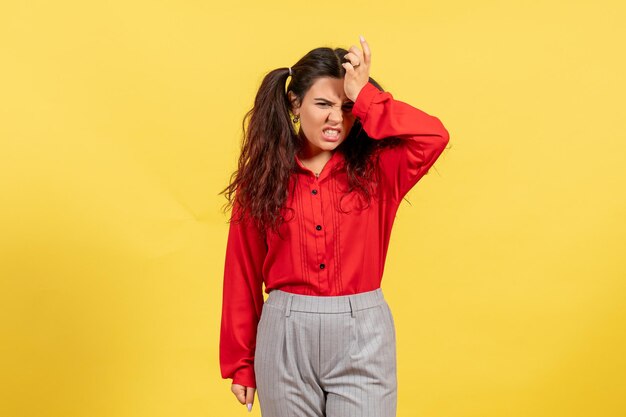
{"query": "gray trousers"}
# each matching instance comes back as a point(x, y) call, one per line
point(326, 356)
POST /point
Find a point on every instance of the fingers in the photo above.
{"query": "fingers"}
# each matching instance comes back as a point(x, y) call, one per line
point(240, 392)
point(353, 58)
point(367, 54)
point(357, 56)
point(250, 397)
point(348, 66)
point(245, 395)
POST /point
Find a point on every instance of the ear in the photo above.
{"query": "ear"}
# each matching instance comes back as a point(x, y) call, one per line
point(293, 99)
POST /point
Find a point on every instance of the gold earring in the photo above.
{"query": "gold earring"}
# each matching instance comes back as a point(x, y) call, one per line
point(295, 119)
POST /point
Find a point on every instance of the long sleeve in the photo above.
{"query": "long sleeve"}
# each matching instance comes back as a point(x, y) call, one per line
point(242, 301)
point(424, 137)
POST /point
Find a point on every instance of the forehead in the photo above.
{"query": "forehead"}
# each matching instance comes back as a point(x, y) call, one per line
point(327, 87)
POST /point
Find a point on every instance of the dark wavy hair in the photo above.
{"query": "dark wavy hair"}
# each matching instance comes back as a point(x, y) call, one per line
point(270, 143)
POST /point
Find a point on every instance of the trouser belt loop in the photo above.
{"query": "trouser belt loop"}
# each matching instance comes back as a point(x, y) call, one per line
point(352, 306)
point(288, 308)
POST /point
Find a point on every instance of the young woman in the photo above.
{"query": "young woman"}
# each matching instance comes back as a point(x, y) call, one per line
point(313, 210)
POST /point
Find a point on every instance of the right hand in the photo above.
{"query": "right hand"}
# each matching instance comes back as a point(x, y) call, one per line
point(245, 395)
point(357, 77)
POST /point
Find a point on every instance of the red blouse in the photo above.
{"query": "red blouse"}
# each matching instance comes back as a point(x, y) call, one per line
point(325, 251)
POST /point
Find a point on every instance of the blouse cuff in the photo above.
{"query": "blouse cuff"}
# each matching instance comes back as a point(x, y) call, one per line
point(364, 100)
point(245, 377)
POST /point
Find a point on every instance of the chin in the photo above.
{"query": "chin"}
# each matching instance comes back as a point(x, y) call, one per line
point(330, 145)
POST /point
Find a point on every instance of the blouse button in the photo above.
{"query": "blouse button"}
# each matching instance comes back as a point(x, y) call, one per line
point(318, 227)
point(314, 191)
point(322, 266)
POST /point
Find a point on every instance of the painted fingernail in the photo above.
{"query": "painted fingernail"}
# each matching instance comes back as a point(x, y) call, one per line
point(249, 407)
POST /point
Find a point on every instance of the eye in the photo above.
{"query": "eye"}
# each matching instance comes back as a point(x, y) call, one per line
point(322, 104)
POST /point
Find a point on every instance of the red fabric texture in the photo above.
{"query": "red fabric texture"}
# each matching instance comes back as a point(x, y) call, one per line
point(333, 244)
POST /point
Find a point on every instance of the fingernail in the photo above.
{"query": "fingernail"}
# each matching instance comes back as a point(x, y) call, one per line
point(362, 38)
point(249, 407)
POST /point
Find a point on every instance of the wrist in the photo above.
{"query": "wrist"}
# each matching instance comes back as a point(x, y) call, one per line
point(356, 94)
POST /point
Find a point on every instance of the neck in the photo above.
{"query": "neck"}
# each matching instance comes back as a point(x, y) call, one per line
point(315, 155)
point(322, 157)
point(316, 162)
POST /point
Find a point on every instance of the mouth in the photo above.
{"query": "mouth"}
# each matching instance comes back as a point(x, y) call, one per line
point(331, 134)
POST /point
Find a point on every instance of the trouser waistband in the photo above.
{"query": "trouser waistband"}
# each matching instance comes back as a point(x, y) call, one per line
point(325, 304)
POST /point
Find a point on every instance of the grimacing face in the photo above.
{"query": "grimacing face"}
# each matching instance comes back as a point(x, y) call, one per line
point(325, 115)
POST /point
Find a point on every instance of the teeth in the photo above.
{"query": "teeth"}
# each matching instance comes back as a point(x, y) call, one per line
point(331, 132)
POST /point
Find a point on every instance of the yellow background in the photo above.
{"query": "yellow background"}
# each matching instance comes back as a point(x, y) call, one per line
point(120, 122)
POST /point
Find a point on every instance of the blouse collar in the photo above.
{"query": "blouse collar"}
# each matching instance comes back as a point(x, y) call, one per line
point(335, 162)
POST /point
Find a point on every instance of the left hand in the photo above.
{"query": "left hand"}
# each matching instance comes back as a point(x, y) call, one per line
point(357, 70)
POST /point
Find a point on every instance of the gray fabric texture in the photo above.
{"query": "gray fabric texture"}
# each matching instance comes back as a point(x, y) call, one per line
point(331, 356)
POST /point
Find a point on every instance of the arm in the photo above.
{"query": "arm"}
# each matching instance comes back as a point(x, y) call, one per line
point(242, 301)
point(424, 137)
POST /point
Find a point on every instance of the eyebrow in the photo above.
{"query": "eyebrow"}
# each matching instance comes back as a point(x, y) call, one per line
point(328, 101)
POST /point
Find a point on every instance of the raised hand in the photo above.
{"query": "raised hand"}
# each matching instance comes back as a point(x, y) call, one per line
point(357, 70)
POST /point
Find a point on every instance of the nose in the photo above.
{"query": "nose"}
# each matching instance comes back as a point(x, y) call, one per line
point(336, 115)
